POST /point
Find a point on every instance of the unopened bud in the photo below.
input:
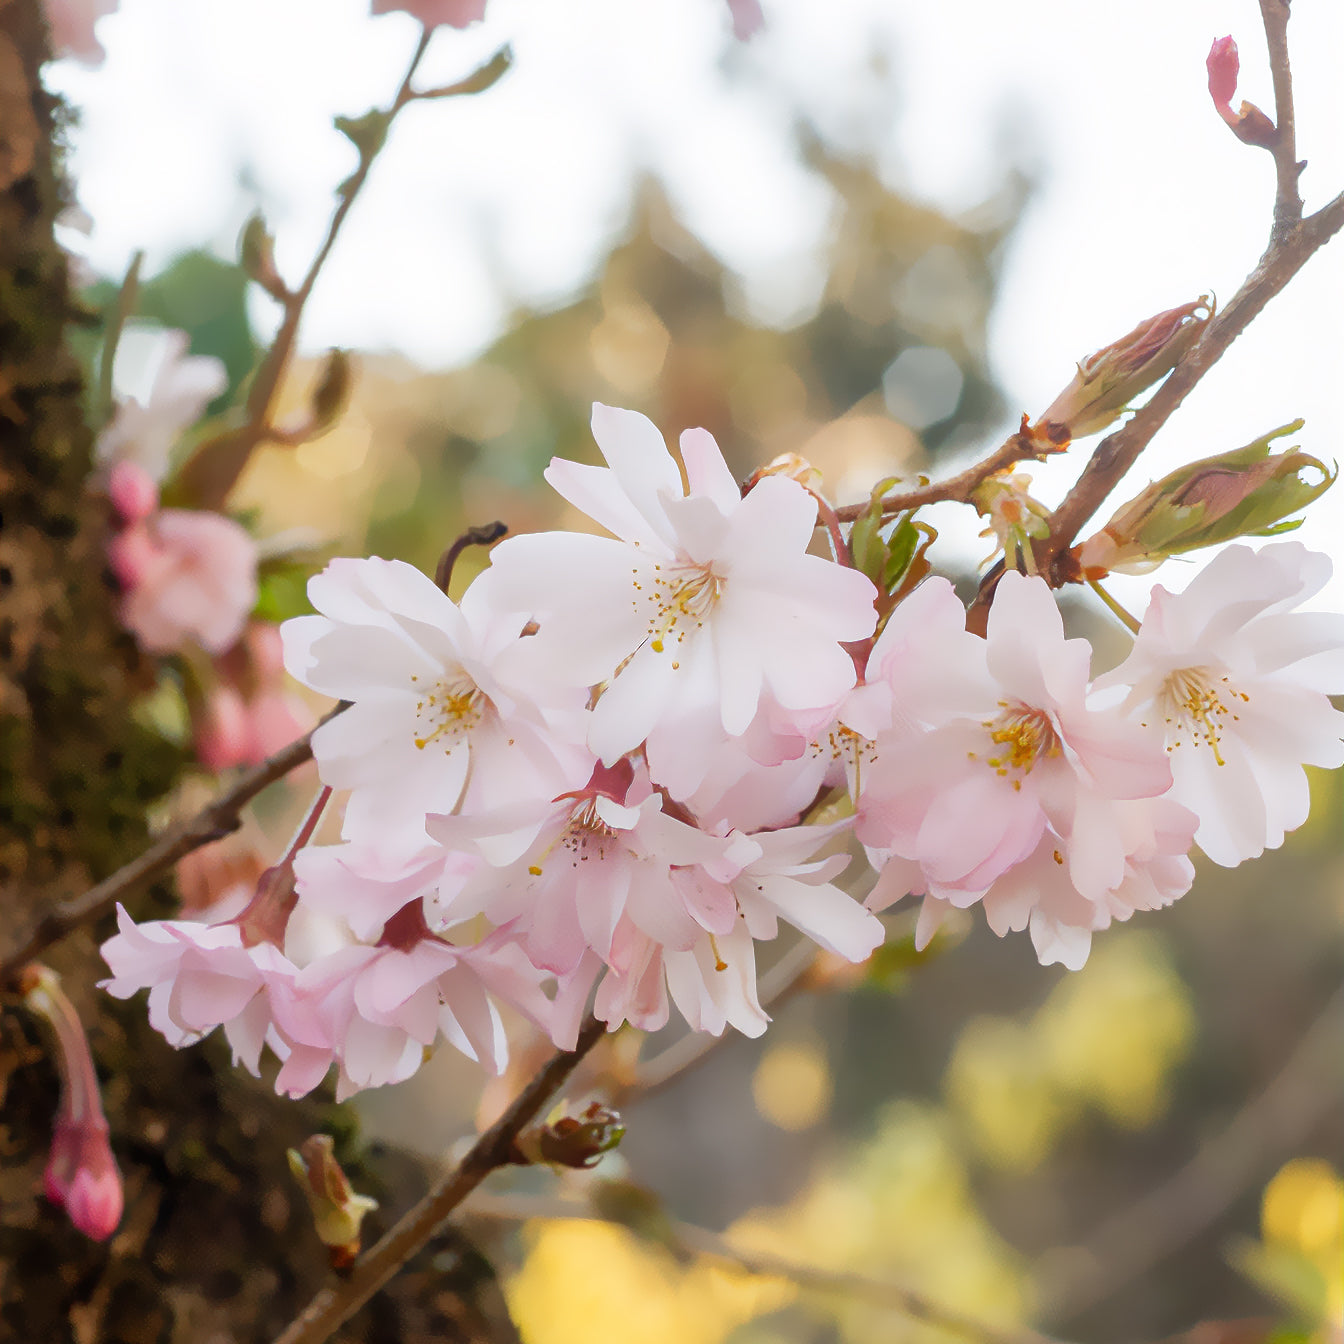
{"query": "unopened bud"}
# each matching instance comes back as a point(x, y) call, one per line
point(338, 1211)
point(1107, 381)
point(1247, 492)
point(256, 254)
point(1248, 123)
point(81, 1174)
point(331, 393)
point(572, 1141)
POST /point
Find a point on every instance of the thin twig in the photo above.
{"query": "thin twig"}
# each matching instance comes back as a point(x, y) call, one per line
point(484, 535)
point(1116, 453)
point(1287, 170)
point(1271, 1124)
point(213, 821)
point(495, 1148)
point(958, 489)
point(688, 1237)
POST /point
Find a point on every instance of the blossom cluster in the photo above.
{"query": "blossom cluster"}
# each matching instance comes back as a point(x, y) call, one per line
point(597, 777)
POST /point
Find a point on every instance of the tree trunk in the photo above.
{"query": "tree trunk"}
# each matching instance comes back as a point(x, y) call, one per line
point(216, 1242)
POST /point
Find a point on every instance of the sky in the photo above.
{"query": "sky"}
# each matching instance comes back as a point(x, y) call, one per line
point(1144, 199)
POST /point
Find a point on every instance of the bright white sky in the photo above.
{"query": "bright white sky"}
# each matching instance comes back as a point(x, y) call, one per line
point(1145, 198)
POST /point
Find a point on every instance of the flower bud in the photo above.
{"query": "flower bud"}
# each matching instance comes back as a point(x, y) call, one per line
point(791, 465)
point(1247, 492)
point(569, 1141)
point(1107, 381)
point(338, 1211)
point(81, 1174)
point(1249, 124)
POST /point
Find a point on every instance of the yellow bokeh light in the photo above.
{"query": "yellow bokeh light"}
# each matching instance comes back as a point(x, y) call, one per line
point(792, 1086)
point(1303, 1207)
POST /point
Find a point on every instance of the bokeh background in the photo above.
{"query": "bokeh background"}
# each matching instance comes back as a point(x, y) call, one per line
point(875, 235)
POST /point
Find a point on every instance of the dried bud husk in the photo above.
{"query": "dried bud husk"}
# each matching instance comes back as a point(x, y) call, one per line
point(791, 465)
point(1247, 492)
point(1107, 381)
point(337, 1210)
point(572, 1141)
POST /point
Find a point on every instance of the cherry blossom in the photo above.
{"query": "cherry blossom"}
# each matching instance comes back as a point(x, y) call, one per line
point(443, 697)
point(147, 432)
point(432, 13)
point(190, 577)
point(707, 601)
point(1238, 683)
point(1010, 749)
point(72, 28)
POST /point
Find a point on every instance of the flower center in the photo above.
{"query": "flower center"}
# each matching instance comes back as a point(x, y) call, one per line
point(679, 599)
point(447, 713)
point(1196, 699)
point(585, 836)
point(1026, 735)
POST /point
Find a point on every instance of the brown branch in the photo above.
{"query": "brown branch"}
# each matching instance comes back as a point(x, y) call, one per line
point(690, 1238)
point(1287, 170)
point(208, 478)
point(1271, 1124)
point(959, 488)
point(495, 1148)
point(1116, 453)
point(213, 821)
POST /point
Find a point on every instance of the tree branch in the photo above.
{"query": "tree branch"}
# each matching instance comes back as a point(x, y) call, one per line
point(1288, 196)
point(336, 1304)
point(213, 821)
point(1019, 445)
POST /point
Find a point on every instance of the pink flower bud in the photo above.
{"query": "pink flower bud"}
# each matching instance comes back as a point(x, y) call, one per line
point(132, 491)
point(1248, 123)
point(223, 730)
point(81, 1175)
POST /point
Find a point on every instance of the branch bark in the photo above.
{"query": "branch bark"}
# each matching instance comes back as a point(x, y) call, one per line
point(336, 1304)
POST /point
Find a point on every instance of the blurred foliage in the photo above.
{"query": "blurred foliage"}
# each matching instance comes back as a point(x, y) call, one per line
point(1299, 1259)
point(1106, 1038)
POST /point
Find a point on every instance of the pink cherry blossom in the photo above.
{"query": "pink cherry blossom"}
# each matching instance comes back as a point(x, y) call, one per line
point(190, 578)
point(1046, 893)
point(565, 873)
point(708, 600)
point(1237, 681)
point(441, 695)
point(1010, 749)
point(72, 28)
point(432, 13)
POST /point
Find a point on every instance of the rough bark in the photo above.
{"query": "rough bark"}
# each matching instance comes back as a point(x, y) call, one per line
point(216, 1243)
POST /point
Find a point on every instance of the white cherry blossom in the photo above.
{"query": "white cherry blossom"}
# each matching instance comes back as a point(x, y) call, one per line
point(1237, 681)
point(446, 699)
point(707, 601)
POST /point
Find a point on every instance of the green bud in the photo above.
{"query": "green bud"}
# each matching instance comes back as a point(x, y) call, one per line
point(1107, 381)
point(337, 1210)
point(1247, 492)
point(256, 255)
